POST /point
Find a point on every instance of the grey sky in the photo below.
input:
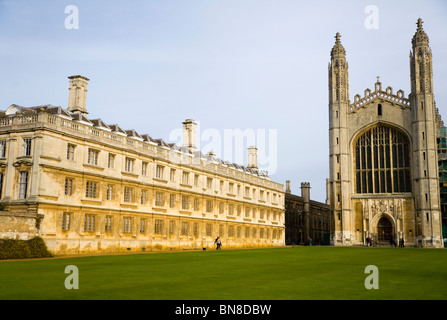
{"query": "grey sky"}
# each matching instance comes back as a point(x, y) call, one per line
point(245, 64)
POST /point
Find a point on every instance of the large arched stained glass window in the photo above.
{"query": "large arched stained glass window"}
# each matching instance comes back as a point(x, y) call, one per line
point(382, 161)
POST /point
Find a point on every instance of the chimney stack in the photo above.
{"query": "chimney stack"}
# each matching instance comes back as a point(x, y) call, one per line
point(189, 135)
point(305, 191)
point(77, 95)
point(288, 186)
point(252, 157)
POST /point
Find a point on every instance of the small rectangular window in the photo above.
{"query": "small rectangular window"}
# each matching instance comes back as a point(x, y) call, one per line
point(159, 199)
point(209, 206)
point(158, 226)
point(129, 164)
point(128, 194)
point(185, 203)
point(91, 189)
point(196, 204)
point(70, 151)
point(142, 225)
point(185, 177)
point(127, 224)
point(1, 185)
point(171, 226)
point(184, 230)
point(23, 185)
point(143, 196)
point(68, 186)
point(144, 168)
point(209, 183)
point(26, 147)
point(111, 161)
point(93, 157)
point(209, 229)
point(89, 222)
point(3, 149)
point(171, 200)
point(108, 224)
point(196, 180)
point(66, 221)
point(159, 172)
point(109, 193)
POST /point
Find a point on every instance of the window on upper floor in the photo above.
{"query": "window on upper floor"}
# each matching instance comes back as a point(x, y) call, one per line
point(159, 201)
point(185, 177)
point(172, 175)
point(144, 165)
point(382, 161)
point(159, 171)
point(68, 186)
point(91, 189)
point(209, 183)
point(26, 147)
point(66, 221)
point(111, 161)
point(3, 149)
point(128, 194)
point(129, 164)
point(70, 151)
point(23, 184)
point(90, 222)
point(92, 157)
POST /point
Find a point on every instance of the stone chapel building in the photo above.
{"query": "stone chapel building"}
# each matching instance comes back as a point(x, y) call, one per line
point(383, 156)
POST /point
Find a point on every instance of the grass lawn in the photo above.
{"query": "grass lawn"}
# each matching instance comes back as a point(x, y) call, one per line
point(296, 273)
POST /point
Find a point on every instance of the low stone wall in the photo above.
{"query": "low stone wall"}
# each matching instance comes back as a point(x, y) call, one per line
point(18, 225)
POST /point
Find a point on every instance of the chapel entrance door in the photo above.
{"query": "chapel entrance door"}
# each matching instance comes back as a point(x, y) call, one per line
point(384, 230)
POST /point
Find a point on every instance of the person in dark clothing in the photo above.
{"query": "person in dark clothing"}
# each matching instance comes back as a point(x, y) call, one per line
point(218, 243)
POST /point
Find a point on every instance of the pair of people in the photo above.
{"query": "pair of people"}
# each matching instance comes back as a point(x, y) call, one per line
point(218, 243)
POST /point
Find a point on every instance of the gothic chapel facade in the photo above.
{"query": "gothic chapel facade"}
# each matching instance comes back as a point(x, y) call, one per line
point(383, 156)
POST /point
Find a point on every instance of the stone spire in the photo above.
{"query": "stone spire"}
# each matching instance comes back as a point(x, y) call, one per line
point(338, 49)
point(338, 73)
point(420, 38)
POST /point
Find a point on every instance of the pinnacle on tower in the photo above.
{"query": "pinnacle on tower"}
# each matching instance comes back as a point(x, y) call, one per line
point(338, 49)
point(420, 38)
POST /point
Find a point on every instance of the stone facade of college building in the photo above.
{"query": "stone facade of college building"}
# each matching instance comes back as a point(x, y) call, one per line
point(383, 156)
point(85, 186)
point(307, 221)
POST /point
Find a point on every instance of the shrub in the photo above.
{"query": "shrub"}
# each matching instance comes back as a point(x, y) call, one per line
point(23, 249)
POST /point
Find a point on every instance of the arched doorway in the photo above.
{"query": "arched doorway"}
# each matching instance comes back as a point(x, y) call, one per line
point(384, 230)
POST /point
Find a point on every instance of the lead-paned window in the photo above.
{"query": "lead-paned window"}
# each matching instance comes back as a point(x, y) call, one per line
point(382, 161)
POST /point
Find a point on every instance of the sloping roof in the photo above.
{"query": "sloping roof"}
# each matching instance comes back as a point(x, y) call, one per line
point(100, 123)
point(57, 110)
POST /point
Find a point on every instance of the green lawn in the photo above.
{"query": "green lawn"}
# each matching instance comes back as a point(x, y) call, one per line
point(283, 273)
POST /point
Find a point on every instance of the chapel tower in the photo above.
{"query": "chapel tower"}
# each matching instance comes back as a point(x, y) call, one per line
point(339, 182)
point(383, 156)
point(425, 155)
